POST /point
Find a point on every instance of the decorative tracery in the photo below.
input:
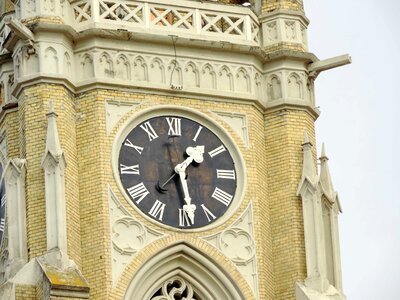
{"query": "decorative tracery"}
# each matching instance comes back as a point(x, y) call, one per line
point(176, 288)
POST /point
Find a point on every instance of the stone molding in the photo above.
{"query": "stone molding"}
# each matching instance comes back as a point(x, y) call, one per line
point(128, 236)
point(53, 164)
point(237, 243)
point(16, 216)
point(157, 17)
point(320, 211)
point(181, 259)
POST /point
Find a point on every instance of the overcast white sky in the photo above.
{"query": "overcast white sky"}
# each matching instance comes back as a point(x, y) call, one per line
point(360, 124)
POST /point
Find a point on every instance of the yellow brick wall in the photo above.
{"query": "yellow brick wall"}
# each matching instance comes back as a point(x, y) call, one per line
point(284, 131)
point(25, 292)
point(11, 126)
point(270, 5)
point(285, 46)
point(93, 193)
point(33, 107)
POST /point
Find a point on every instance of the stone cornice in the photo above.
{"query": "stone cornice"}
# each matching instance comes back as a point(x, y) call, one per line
point(280, 105)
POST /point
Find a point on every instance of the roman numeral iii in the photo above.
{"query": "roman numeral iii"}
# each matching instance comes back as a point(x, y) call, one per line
point(174, 126)
point(226, 174)
point(222, 196)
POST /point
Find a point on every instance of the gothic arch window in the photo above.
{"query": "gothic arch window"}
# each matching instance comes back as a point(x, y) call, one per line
point(181, 272)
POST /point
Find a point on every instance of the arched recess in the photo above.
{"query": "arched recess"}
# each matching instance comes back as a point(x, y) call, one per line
point(182, 265)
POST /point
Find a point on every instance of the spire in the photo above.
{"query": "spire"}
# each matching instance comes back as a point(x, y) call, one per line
point(52, 140)
point(54, 163)
point(325, 176)
point(308, 161)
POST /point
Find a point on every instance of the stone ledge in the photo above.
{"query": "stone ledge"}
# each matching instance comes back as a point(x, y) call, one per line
point(305, 293)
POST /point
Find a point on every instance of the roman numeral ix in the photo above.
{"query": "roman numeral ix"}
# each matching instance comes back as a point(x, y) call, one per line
point(129, 169)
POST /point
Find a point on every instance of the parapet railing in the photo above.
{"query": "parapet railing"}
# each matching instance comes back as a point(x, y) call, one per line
point(196, 19)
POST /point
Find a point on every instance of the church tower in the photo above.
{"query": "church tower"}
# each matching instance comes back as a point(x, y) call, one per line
point(163, 149)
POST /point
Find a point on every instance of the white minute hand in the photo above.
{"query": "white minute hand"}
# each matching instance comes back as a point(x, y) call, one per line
point(195, 154)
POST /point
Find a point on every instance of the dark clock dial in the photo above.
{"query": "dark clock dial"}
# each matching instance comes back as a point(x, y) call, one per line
point(2, 206)
point(177, 172)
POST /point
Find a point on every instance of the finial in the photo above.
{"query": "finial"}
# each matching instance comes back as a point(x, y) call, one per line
point(325, 176)
point(323, 154)
point(52, 139)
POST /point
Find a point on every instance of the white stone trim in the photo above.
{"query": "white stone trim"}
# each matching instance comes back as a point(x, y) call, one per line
point(53, 164)
point(14, 176)
point(242, 255)
point(211, 282)
point(126, 244)
point(238, 122)
point(284, 27)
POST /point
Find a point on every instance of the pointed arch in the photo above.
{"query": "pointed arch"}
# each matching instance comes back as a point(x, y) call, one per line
point(51, 59)
point(225, 80)
point(192, 76)
point(122, 68)
point(140, 69)
point(106, 68)
point(87, 66)
point(243, 81)
point(209, 78)
point(185, 266)
point(157, 71)
point(174, 73)
point(67, 64)
point(274, 87)
point(295, 86)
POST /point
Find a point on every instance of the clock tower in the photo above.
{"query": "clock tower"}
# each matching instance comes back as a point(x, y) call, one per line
point(160, 150)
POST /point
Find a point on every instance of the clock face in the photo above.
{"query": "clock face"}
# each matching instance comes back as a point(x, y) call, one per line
point(177, 172)
point(2, 206)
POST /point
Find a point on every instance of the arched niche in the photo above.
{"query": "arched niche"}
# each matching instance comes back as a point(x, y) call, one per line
point(181, 265)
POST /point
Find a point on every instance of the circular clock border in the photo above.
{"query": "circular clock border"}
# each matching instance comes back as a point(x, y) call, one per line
point(201, 118)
